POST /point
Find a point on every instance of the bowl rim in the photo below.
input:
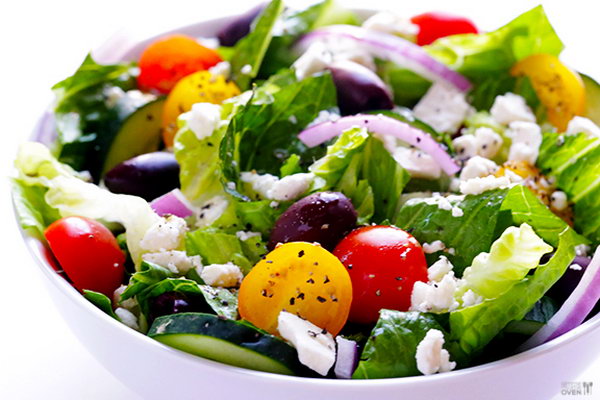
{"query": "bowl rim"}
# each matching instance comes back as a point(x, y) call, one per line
point(37, 247)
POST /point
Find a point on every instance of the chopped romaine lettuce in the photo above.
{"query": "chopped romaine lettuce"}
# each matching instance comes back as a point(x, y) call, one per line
point(32, 210)
point(101, 301)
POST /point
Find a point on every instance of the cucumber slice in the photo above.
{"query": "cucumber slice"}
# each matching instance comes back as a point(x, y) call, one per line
point(592, 98)
point(230, 342)
point(140, 133)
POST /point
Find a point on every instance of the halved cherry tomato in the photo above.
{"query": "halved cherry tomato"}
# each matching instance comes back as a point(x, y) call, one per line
point(384, 263)
point(301, 278)
point(88, 253)
point(435, 25)
point(199, 87)
point(559, 88)
point(165, 61)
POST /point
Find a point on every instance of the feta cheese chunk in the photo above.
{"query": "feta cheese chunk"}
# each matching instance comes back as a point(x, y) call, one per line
point(244, 235)
point(478, 167)
point(176, 261)
point(417, 163)
point(582, 250)
point(203, 119)
point(435, 246)
point(316, 347)
point(526, 140)
point(480, 185)
point(128, 318)
point(582, 124)
point(431, 356)
point(465, 146)
point(166, 234)
point(511, 107)
point(558, 200)
point(128, 304)
point(484, 142)
point(222, 275)
point(272, 188)
point(470, 298)
point(434, 296)
point(388, 22)
point(223, 68)
point(439, 269)
point(443, 107)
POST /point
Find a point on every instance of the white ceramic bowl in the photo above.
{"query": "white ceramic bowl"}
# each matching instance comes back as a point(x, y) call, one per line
point(157, 371)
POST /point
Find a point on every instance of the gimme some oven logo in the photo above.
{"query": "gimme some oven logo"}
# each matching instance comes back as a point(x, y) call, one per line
point(576, 388)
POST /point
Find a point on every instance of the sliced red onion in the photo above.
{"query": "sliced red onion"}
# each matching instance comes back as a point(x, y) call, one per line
point(173, 203)
point(320, 133)
point(574, 310)
point(396, 49)
point(346, 359)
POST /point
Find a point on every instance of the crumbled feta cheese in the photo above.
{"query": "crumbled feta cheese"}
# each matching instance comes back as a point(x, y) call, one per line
point(443, 203)
point(315, 59)
point(480, 185)
point(526, 140)
point(128, 304)
point(166, 234)
point(246, 69)
point(210, 42)
point(271, 187)
point(434, 296)
point(478, 167)
point(316, 347)
point(465, 146)
point(231, 185)
point(582, 250)
point(457, 212)
point(222, 275)
point(244, 235)
point(388, 22)
point(417, 163)
point(273, 204)
point(223, 68)
point(431, 356)
point(128, 101)
point(203, 119)
point(290, 187)
point(128, 318)
point(293, 119)
point(576, 267)
point(175, 261)
point(211, 210)
point(324, 116)
point(511, 107)
point(113, 94)
point(487, 142)
point(583, 125)
point(443, 107)
point(438, 269)
point(470, 298)
point(436, 245)
point(558, 200)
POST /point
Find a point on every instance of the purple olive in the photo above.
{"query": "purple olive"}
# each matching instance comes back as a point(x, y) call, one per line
point(240, 27)
point(324, 217)
point(172, 303)
point(359, 89)
point(148, 176)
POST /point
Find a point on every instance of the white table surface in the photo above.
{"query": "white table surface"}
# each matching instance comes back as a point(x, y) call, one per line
point(43, 42)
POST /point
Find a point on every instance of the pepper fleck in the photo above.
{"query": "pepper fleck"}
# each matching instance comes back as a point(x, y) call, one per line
point(321, 299)
point(301, 253)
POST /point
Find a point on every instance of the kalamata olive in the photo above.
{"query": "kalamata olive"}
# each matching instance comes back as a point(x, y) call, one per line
point(240, 27)
point(359, 89)
point(148, 176)
point(324, 217)
point(568, 282)
point(172, 303)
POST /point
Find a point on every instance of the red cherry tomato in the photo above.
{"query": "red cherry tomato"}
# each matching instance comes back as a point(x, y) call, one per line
point(165, 61)
point(88, 253)
point(384, 262)
point(435, 25)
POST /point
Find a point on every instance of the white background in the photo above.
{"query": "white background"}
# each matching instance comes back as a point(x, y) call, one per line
point(43, 42)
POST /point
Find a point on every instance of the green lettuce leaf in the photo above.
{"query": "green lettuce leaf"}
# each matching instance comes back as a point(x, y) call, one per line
point(148, 275)
point(391, 348)
point(70, 195)
point(574, 161)
point(251, 49)
point(101, 301)
point(263, 133)
point(512, 256)
point(472, 328)
point(33, 212)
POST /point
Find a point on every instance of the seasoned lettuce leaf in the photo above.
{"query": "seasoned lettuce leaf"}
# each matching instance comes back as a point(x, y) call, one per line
point(574, 161)
point(33, 212)
point(512, 256)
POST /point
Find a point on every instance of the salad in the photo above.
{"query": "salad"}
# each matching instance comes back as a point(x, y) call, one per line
point(319, 194)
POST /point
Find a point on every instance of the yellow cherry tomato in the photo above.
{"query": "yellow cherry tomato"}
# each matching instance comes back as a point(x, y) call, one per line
point(301, 278)
point(559, 88)
point(199, 87)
